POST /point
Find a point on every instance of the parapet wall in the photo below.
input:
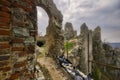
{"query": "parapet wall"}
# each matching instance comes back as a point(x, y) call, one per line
point(17, 39)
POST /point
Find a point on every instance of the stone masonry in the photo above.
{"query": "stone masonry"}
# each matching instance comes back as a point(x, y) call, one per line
point(18, 31)
point(86, 47)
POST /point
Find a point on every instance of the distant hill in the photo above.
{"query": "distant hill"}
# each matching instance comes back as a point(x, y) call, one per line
point(115, 45)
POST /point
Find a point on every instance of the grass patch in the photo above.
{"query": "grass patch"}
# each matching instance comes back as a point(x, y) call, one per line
point(68, 46)
point(44, 50)
point(96, 74)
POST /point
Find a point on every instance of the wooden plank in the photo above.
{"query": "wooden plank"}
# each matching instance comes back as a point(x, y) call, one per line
point(4, 14)
point(5, 32)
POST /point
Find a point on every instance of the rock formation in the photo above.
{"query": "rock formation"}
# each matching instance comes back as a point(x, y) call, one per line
point(69, 32)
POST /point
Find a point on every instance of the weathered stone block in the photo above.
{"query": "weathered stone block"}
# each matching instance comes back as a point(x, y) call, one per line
point(31, 48)
point(4, 38)
point(5, 51)
point(20, 32)
point(17, 40)
point(5, 69)
point(20, 64)
point(4, 63)
point(2, 58)
point(29, 40)
point(18, 49)
point(23, 53)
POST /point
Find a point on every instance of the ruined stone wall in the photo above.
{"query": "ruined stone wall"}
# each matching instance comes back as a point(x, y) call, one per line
point(17, 39)
point(98, 51)
point(54, 36)
point(86, 49)
point(18, 30)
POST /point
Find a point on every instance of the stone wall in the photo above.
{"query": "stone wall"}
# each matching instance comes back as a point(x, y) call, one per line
point(18, 30)
point(54, 36)
point(98, 51)
point(86, 49)
point(17, 39)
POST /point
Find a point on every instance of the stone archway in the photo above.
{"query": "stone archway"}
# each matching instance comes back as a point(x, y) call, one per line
point(18, 36)
point(54, 40)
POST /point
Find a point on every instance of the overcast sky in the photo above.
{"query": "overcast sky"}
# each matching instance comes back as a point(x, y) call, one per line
point(103, 13)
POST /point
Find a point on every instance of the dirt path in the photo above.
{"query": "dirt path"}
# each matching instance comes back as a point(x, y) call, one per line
point(56, 73)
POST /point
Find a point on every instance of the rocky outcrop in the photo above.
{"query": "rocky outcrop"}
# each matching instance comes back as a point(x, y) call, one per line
point(69, 32)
